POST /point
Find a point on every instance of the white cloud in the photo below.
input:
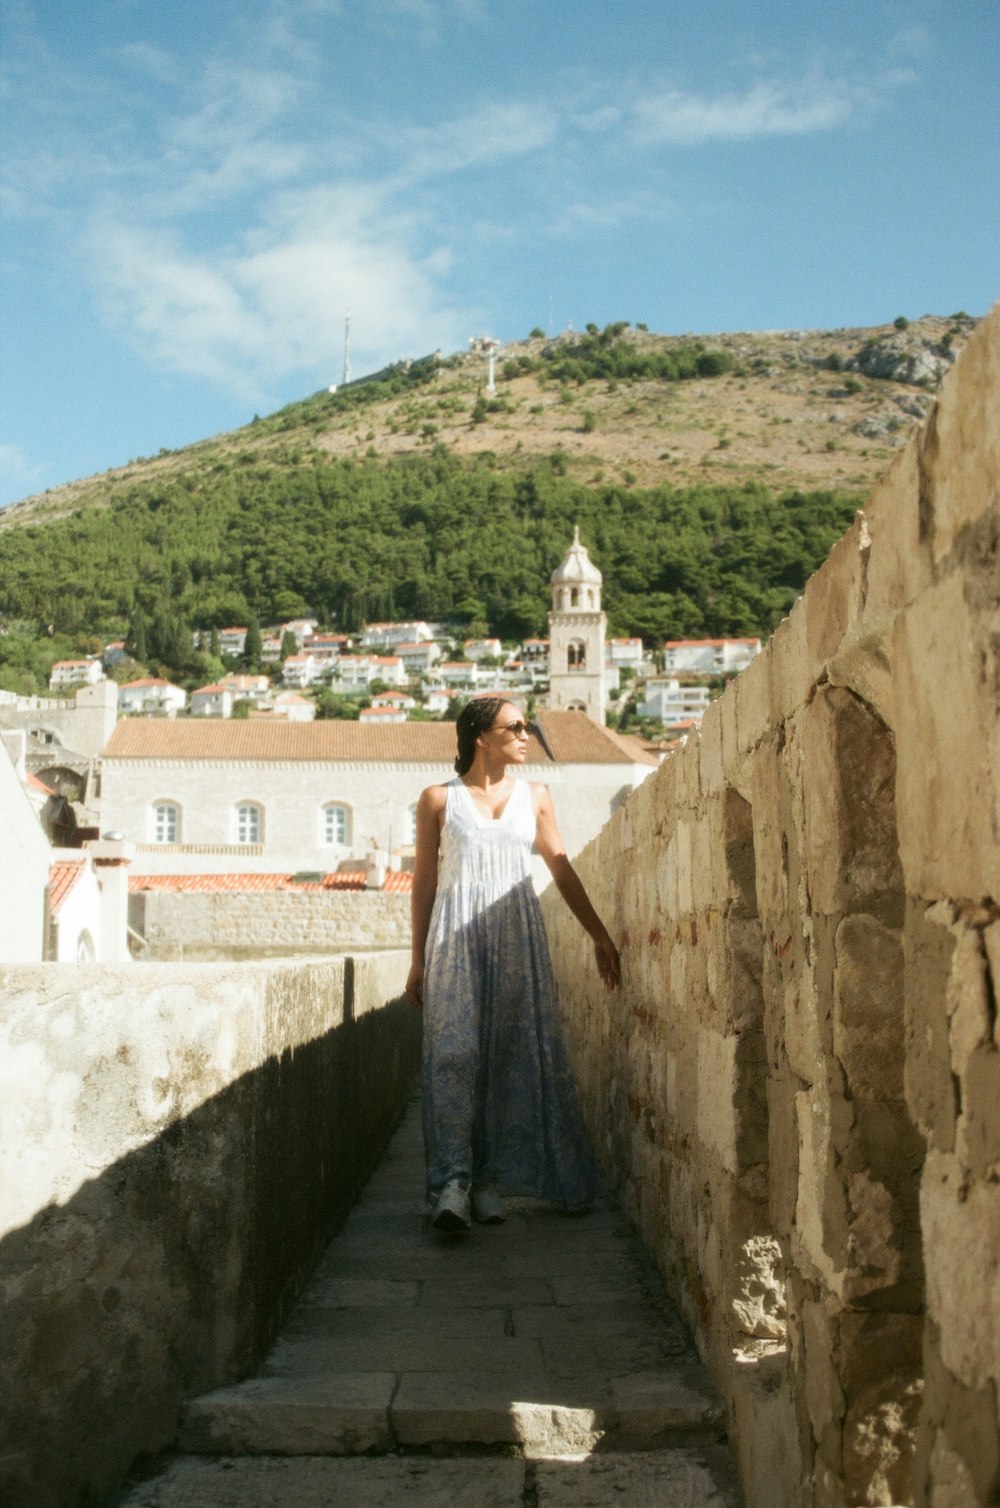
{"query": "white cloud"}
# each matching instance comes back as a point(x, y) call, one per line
point(491, 134)
point(18, 475)
point(767, 108)
point(249, 319)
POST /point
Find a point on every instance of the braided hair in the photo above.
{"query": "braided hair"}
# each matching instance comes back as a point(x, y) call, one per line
point(475, 718)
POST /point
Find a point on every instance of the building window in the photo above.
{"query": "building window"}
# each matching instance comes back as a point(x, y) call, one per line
point(336, 824)
point(166, 822)
point(576, 655)
point(410, 826)
point(249, 823)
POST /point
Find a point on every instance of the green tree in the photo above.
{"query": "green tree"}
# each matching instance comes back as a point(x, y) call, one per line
point(253, 644)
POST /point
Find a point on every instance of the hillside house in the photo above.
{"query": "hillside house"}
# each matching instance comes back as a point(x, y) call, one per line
point(710, 656)
point(383, 715)
point(672, 703)
point(420, 657)
point(232, 641)
point(212, 701)
point(300, 670)
point(361, 670)
point(293, 707)
point(152, 696)
point(482, 649)
point(85, 672)
point(390, 635)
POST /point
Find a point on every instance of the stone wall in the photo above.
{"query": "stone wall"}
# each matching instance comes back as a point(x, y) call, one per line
point(268, 924)
point(178, 1142)
point(797, 1088)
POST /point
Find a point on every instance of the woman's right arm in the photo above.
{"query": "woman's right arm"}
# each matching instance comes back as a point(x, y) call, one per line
point(425, 871)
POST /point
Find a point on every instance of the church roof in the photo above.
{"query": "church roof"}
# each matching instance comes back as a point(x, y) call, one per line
point(561, 738)
point(574, 738)
point(577, 565)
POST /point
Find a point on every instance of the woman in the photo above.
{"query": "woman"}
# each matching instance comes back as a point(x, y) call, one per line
point(499, 1106)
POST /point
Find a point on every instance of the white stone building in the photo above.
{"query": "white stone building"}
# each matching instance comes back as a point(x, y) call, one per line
point(419, 658)
point(152, 695)
point(576, 635)
point(212, 701)
point(232, 640)
point(673, 703)
point(75, 673)
point(264, 797)
point(361, 670)
point(390, 635)
point(709, 656)
point(300, 670)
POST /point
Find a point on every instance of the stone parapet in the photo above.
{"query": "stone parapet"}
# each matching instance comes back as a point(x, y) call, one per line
point(267, 924)
point(178, 1144)
point(797, 1087)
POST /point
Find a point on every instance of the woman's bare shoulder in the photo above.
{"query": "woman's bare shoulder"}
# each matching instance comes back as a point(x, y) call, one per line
point(434, 797)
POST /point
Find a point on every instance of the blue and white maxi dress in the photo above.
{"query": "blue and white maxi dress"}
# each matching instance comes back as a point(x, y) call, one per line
point(499, 1105)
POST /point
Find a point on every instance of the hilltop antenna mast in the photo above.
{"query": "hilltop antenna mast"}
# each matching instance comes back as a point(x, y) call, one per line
point(347, 348)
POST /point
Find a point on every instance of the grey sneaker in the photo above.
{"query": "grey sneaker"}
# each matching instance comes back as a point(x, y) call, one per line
point(451, 1209)
point(487, 1207)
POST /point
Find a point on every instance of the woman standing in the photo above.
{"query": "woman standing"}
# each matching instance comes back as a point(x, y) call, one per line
point(499, 1107)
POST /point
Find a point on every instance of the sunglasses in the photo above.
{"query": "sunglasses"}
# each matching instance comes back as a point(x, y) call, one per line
point(517, 728)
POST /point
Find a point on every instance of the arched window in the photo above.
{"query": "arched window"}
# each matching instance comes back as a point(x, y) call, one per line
point(574, 596)
point(576, 655)
point(249, 822)
point(166, 822)
point(336, 823)
point(575, 707)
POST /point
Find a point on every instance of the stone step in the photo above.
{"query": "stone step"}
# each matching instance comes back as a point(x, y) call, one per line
point(689, 1478)
point(353, 1413)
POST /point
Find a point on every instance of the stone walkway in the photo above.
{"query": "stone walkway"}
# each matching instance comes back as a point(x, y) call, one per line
point(532, 1363)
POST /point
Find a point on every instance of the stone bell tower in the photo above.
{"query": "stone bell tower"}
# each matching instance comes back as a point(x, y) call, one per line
point(576, 635)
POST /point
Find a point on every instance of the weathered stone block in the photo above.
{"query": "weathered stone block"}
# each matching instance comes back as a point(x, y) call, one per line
point(948, 793)
point(898, 562)
point(753, 702)
point(868, 1014)
point(960, 445)
point(928, 945)
point(863, 664)
point(849, 803)
point(961, 1225)
point(834, 595)
point(791, 676)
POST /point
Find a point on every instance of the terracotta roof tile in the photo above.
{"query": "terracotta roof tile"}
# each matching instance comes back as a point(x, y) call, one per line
point(62, 877)
point(208, 884)
point(574, 738)
point(566, 738)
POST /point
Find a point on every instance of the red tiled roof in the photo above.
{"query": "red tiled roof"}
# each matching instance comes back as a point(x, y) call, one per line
point(574, 738)
point(207, 884)
point(38, 785)
point(62, 877)
point(705, 643)
point(566, 738)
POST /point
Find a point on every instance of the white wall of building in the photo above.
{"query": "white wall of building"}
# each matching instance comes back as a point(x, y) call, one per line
point(24, 870)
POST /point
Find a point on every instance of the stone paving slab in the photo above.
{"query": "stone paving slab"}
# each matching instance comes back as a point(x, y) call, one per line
point(525, 1410)
point(660, 1479)
point(416, 1323)
point(340, 1414)
point(674, 1479)
point(423, 1352)
point(325, 1482)
point(544, 1336)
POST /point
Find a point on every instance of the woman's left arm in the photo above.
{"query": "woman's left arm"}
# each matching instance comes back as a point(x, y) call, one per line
point(571, 888)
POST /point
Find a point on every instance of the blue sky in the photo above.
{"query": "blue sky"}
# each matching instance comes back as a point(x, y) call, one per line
point(195, 194)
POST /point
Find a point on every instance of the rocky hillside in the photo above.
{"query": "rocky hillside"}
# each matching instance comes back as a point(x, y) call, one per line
point(808, 409)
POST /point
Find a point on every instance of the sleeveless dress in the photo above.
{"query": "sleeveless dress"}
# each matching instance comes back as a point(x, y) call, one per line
point(499, 1105)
